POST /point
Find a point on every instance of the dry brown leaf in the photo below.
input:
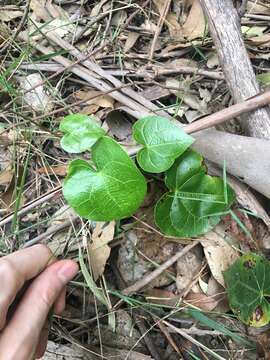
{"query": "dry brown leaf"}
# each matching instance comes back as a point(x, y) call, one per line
point(99, 251)
point(201, 301)
point(254, 7)
point(174, 27)
point(37, 99)
point(264, 345)
point(60, 170)
point(104, 101)
point(218, 252)
point(195, 24)
point(187, 267)
point(219, 293)
point(162, 297)
point(6, 177)
point(131, 40)
point(261, 41)
point(159, 5)
point(119, 18)
point(4, 33)
point(39, 10)
point(96, 10)
point(61, 239)
point(8, 14)
point(213, 60)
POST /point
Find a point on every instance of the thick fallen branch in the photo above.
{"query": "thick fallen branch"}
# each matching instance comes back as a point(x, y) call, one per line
point(246, 158)
point(225, 29)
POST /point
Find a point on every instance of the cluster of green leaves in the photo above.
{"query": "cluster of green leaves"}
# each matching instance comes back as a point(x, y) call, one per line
point(112, 187)
point(248, 286)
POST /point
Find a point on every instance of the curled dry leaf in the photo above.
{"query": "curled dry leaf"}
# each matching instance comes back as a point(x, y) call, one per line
point(195, 24)
point(99, 251)
point(219, 254)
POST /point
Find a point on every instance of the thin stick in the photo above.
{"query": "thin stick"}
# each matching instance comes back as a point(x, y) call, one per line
point(164, 12)
point(134, 96)
point(50, 231)
point(26, 208)
point(229, 113)
point(145, 280)
point(152, 73)
point(192, 340)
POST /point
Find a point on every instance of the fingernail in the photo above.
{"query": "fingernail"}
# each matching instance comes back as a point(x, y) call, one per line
point(67, 271)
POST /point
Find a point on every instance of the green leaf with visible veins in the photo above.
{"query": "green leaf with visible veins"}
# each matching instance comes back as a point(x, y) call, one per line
point(195, 200)
point(162, 143)
point(113, 190)
point(248, 286)
point(80, 132)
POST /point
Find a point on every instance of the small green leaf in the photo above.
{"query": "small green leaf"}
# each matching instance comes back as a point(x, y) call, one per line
point(163, 142)
point(248, 286)
point(81, 132)
point(113, 190)
point(195, 200)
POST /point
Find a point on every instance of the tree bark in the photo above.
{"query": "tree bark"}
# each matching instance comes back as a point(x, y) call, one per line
point(224, 25)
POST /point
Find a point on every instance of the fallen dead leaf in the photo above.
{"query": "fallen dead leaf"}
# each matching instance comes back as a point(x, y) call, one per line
point(37, 99)
point(99, 251)
point(4, 33)
point(261, 41)
point(6, 177)
point(97, 99)
point(131, 40)
point(162, 297)
point(187, 267)
point(61, 239)
point(201, 301)
point(60, 170)
point(39, 10)
point(215, 289)
point(256, 7)
point(175, 29)
point(219, 252)
point(264, 345)
point(10, 13)
point(195, 24)
point(213, 60)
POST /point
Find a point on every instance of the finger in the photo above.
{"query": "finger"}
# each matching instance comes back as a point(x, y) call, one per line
point(60, 303)
point(33, 309)
point(17, 268)
point(42, 343)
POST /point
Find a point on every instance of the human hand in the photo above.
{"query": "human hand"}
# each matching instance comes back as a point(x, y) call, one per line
point(24, 336)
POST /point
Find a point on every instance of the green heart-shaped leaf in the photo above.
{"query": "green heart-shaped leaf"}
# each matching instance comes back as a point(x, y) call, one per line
point(113, 190)
point(195, 200)
point(163, 142)
point(248, 286)
point(81, 132)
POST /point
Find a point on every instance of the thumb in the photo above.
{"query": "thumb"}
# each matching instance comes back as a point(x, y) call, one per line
point(19, 338)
